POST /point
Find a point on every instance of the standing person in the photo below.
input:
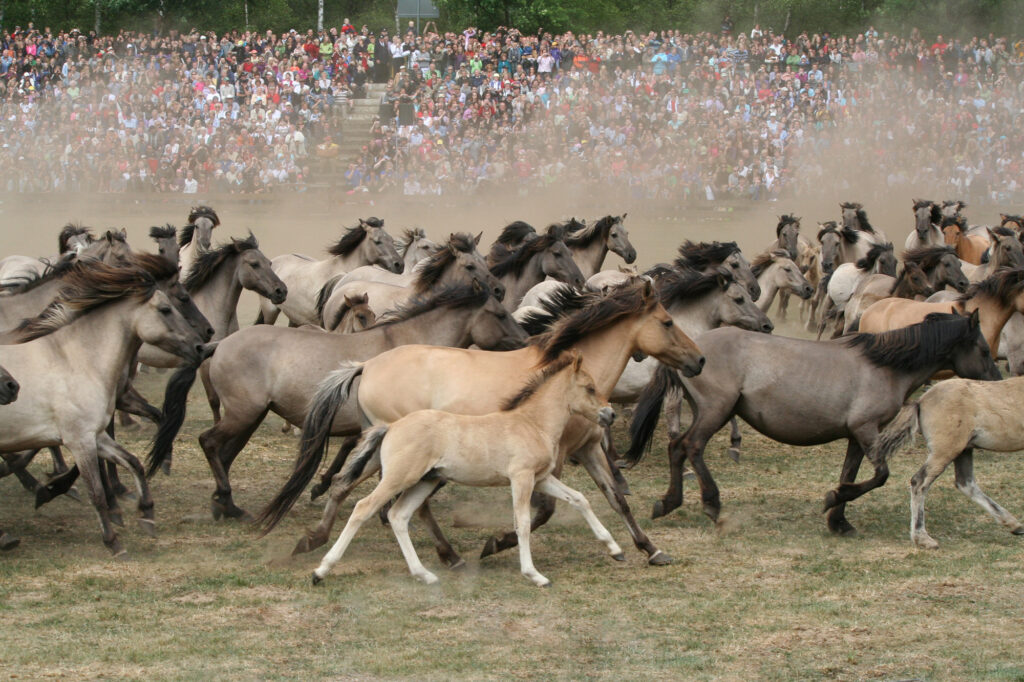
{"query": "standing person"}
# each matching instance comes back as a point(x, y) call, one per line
point(381, 58)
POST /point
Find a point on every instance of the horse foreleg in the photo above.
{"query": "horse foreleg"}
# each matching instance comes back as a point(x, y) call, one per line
point(783, 305)
point(112, 451)
point(398, 517)
point(835, 500)
point(88, 464)
point(560, 491)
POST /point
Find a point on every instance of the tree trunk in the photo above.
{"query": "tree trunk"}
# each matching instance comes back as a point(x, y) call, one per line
point(96, 23)
point(246, 4)
point(320, 15)
point(789, 15)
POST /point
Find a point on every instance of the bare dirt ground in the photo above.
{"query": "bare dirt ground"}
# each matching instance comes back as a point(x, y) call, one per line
point(767, 593)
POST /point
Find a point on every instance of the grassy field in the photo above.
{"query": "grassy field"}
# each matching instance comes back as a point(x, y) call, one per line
point(767, 594)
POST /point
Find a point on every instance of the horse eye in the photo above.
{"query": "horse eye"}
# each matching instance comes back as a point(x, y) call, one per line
point(667, 324)
point(591, 391)
point(256, 265)
point(502, 315)
point(735, 265)
point(471, 267)
point(164, 309)
point(738, 299)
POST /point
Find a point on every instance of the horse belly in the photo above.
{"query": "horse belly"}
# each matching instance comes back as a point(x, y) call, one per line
point(806, 421)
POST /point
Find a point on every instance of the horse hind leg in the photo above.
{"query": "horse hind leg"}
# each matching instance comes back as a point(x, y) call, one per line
point(965, 483)
point(88, 464)
point(445, 552)
point(735, 439)
point(919, 485)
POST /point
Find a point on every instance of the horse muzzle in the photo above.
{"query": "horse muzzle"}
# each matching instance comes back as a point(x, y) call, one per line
point(278, 295)
point(629, 256)
point(9, 391)
point(605, 417)
point(806, 292)
point(691, 368)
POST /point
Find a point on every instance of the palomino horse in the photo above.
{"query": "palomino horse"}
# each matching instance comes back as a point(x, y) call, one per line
point(986, 417)
point(354, 315)
point(543, 256)
point(1004, 251)
point(102, 316)
point(365, 244)
point(263, 368)
point(590, 244)
point(457, 262)
point(608, 332)
point(912, 283)
point(196, 237)
point(775, 273)
point(995, 299)
point(424, 449)
point(927, 217)
point(815, 392)
point(969, 247)
point(166, 239)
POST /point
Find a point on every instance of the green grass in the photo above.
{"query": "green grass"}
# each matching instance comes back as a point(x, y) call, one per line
point(767, 594)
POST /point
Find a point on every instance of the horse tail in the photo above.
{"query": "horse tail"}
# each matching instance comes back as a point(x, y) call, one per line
point(648, 411)
point(368, 451)
point(324, 295)
point(897, 433)
point(175, 401)
point(332, 392)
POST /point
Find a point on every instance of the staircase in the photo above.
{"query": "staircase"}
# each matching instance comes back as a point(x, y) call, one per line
point(355, 133)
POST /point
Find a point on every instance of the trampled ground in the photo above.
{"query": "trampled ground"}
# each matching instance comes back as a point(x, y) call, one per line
point(768, 594)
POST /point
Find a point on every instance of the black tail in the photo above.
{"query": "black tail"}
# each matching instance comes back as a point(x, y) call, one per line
point(316, 432)
point(175, 400)
point(648, 410)
point(323, 296)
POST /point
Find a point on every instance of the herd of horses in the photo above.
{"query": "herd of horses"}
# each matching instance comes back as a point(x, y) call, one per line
point(509, 362)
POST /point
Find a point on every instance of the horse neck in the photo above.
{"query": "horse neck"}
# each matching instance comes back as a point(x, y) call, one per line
point(217, 298)
point(546, 410)
point(992, 316)
point(351, 260)
point(696, 316)
point(437, 327)
point(31, 302)
point(516, 285)
point(769, 289)
point(901, 289)
point(104, 339)
point(590, 258)
point(606, 352)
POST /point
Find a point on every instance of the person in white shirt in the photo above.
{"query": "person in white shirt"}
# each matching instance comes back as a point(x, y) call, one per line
point(191, 184)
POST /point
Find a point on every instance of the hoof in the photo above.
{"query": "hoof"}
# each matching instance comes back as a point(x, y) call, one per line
point(831, 499)
point(734, 454)
point(624, 488)
point(659, 558)
point(308, 543)
point(427, 578)
point(128, 495)
point(117, 519)
point(148, 526)
point(458, 565)
point(8, 542)
point(316, 491)
point(712, 512)
point(117, 550)
point(317, 579)
point(229, 511)
point(165, 467)
point(1019, 530)
point(925, 542)
point(73, 494)
point(625, 464)
point(621, 556)
point(688, 475)
point(42, 496)
point(490, 548)
point(659, 509)
point(843, 529)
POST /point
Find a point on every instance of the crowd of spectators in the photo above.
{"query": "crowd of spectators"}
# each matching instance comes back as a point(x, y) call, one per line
point(661, 115)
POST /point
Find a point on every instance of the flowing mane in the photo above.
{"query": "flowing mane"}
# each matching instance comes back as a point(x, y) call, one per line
point(680, 286)
point(958, 220)
point(198, 212)
point(1010, 218)
point(928, 257)
point(561, 301)
point(786, 219)
point(89, 284)
point(1004, 285)
point(515, 233)
point(207, 263)
point(29, 281)
point(874, 253)
point(69, 232)
point(828, 227)
point(409, 236)
point(434, 266)
point(1003, 231)
point(935, 210)
point(850, 235)
point(513, 262)
point(764, 261)
point(353, 237)
point(536, 381)
point(862, 216)
point(453, 296)
point(598, 313)
point(918, 346)
point(168, 231)
point(579, 234)
point(703, 255)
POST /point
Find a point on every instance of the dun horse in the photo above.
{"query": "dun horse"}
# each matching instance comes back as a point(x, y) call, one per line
point(196, 238)
point(517, 446)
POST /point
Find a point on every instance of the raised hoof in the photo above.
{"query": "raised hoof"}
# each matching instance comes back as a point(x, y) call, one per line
point(490, 548)
point(42, 496)
point(117, 519)
point(659, 558)
point(1019, 530)
point(308, 543)
point(831, 500)
point(688, 475)
point(148, 526)
point(73, 494)
point(127, 495)
point(625, 464)
point(8, 542)
point(659, 509)
point(734, 454)
point(165, 467)
point(316, 491)
point(317, 579)
point(621, 556)
point(624, 488)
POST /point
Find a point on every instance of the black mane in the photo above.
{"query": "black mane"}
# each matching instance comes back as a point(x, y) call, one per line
point(705, 254)
point(918, 346)
point(430, 271)
point(30, 281)
point(1004, 231)
point(928, 257)
point(513, 262)
point(935, 215)
point(580, 234)
point(408, 237)
point(68, 232)
point(207, 263)
point(352, 238)
point(678, 286)
point(515, 233)
point(827, 227)
point(453, 296)
point(786, 219)
point(1004, 285)
point(874, 253)
point(166, 232)
point(862, 216)
point(198, 212)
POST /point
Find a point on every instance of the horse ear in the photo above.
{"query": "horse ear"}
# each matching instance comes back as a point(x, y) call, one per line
point(476, 240)
point(992, 235)
point(648, 289)
point(974, 319)
point(723, 281)
point(623, 216)
point(577, 361)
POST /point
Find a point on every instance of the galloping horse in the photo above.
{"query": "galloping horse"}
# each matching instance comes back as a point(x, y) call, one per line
point(543, 256)
point(911, 283)
point(196, 238)
point(776, 273)
point(413, 246)
point(969, 247)
point(590, 244)
point(927, 217)
point(808, 393)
